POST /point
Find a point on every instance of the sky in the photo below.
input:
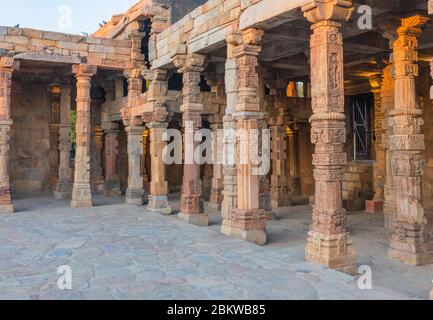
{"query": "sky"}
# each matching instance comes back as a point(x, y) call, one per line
point(67, 16)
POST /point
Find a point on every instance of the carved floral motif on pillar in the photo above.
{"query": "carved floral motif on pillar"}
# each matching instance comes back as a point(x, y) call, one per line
point(81, 191)
point(411, 242)
point(328, 241)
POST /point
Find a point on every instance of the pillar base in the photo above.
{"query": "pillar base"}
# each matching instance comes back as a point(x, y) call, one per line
point(215, 206)
point(281, 203)
point(256, 236)
point(201, 219)
point(112, 188)
point(81, 196)
point(134, 197)
point(270, 215)
point(160, 204)
point(411, 245)
point(98, 184)
point(61, 195)
point(333, 251)
point(7, 208)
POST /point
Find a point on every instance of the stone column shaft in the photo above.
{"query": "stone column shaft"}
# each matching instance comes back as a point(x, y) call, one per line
point(216, 196)
point(411, 242)
point(64, 182)
point(112, 182)
point(135, 191)
point(328, 242)
point(81, 191)
point(247, 221)
point(191, 202)
point(293, 161)
point(230, 200)
point(134, 129)
point(7, 66)
point(390, 194)
point(280, 192)
point(158, 197)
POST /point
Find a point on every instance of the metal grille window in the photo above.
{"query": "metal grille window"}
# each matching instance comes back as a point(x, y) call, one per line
point(361, 134)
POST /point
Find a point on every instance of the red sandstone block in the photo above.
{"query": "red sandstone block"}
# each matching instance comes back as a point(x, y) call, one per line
point(373, 206)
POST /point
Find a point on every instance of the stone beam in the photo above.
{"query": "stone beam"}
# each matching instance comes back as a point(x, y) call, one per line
point(37, 45)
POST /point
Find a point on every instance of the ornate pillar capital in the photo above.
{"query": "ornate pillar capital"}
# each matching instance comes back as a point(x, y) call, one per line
point(135, 73)
point(9, 64)
point(319, 10)
point(189, 62)
point(84, 70)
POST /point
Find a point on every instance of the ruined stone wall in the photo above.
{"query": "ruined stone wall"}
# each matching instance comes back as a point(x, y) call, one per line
point(30, 138)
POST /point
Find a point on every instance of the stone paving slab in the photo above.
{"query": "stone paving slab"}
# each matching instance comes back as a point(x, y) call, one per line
point(123, 252)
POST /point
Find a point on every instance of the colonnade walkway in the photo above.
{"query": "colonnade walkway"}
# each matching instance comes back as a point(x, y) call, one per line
point(117, 251)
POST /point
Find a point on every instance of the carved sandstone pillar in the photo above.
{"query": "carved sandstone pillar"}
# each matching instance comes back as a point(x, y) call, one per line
point(229, 201)
point(54, 134)
point(292, 132)
point(216, 196)
point(158, 197)
point(280, 192)
point(328, 242)
point(411, 242)
point(134, 129)
point(390, 194)
point(7, 66)
point(81, 191)
point(191, 202)
point(248, 221)
point(64, 182)
point(380, 164)
point(97, 172)
point(112, 181)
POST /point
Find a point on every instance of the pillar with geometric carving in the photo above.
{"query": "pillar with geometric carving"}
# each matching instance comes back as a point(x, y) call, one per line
point(248, 221)
point(390, 194)
point(54, 134)
point(158, 197)
point(328, 241)
point(379, 166)
point(7, 66)
point(411, 242)
point(81, 191)
point(112, 181)
point(280, 192)
point(192, 107)
point(216, 196)
point(229, 125)
point(97, 155)
point(64, 183)
point(134, 128)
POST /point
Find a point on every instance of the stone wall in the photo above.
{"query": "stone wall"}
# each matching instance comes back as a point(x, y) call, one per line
point(30, 138)
point(179, 8)
point(357, 185)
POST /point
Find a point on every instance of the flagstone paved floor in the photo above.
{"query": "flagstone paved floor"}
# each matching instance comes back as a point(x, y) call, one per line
point(123, 252)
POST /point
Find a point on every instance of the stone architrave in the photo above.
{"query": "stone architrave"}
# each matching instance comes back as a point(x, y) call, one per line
point(247, 221)
point(64, 183)
point(328, 241)
point(134, 128)
point(7, 66)
point(411, 242)
point(81, 191)
point(192, 107)
point(229, 201)
point(112, 181)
